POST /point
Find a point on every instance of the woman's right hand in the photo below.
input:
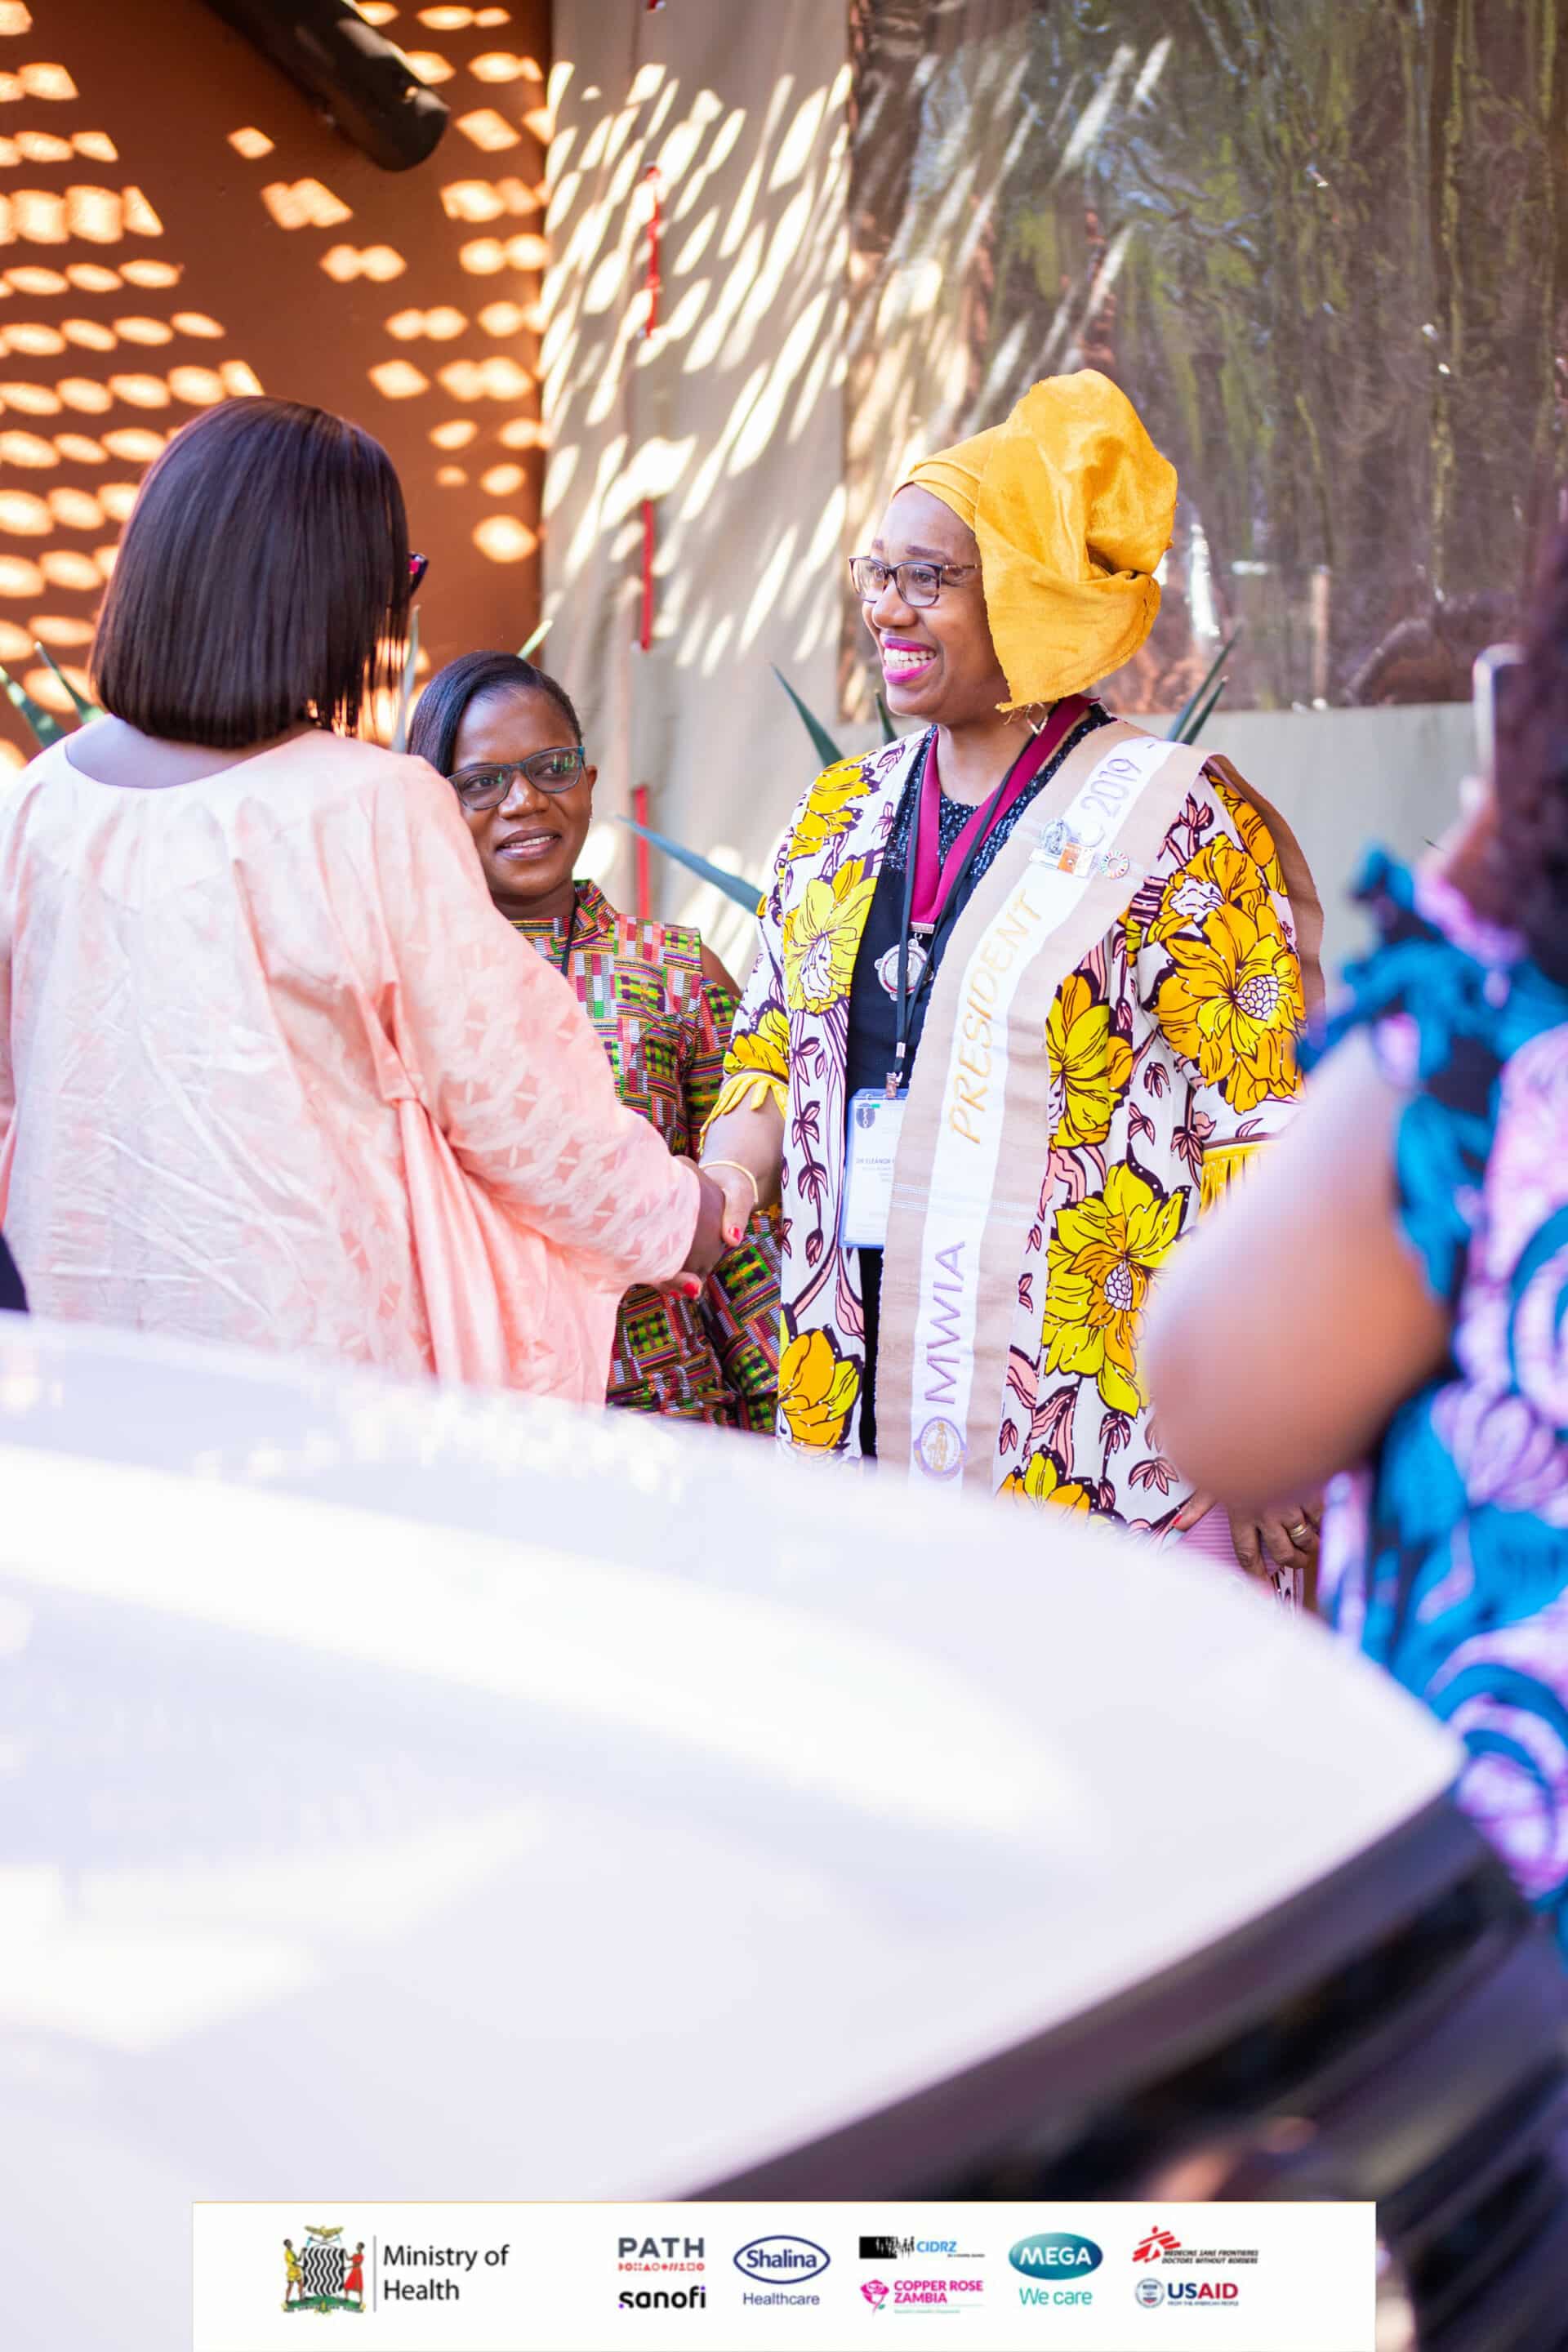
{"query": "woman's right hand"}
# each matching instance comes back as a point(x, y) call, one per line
point(710, 1241)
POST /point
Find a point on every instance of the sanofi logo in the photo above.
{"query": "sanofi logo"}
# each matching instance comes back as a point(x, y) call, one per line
point(1056, 2254)
point(781, 2262)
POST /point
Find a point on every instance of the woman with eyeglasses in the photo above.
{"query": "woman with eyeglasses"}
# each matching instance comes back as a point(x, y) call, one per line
point(509, 739)
point(1026, 1001)
point(270, 1069)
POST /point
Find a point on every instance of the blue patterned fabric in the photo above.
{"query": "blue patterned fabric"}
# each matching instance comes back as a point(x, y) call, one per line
point(1447, 1559)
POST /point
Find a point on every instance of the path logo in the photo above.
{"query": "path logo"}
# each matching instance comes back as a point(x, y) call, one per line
point(322, 2275)
point(1157, 2243)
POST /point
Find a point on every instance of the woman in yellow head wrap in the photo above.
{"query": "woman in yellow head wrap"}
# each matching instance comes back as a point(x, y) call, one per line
point(1027, 998)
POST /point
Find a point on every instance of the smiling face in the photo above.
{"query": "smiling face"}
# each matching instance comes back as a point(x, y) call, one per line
point(938, 660)
point(528, 846)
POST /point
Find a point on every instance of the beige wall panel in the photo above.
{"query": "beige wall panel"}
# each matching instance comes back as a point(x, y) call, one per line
point(728, 416)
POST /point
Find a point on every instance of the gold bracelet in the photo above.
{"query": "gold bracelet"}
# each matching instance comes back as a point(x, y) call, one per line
point(756, 1189)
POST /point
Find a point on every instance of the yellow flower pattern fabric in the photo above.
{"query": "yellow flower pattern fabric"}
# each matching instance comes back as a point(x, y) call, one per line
point(1039, 1481)
point(1092, 1062)
point(1172, 1055)
point(822, 937)
point(1099, 1260)
point(818, 1389)
point(1232, 1004)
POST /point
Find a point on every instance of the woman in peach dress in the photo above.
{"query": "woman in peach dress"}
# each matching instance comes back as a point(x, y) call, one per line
point(272, 1069)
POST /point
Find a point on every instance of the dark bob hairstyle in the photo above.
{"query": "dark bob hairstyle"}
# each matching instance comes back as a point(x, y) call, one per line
point(262, 580)
point(439, 713)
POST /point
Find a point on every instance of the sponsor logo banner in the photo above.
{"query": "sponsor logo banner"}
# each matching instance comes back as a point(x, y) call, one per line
point(820, 2277)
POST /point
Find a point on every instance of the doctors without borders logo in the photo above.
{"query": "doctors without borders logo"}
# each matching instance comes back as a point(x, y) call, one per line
point(779, 2269)
point(1056, 2261)
point(1162, 2246)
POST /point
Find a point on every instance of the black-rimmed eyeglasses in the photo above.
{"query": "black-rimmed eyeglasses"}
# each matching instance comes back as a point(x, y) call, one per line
point(556, 771)
point(918, 584)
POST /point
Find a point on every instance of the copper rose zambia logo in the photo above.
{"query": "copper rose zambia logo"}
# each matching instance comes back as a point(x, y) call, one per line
point(1057, 2260)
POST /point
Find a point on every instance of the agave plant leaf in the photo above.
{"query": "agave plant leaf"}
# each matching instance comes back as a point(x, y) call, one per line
point(889, 732)
point(1182, 729)
point(525, 653)
point(1205, 712)
point(45, 727)
point(405, 691)
point(84, 708)
point(826, 749)
point(733, 886)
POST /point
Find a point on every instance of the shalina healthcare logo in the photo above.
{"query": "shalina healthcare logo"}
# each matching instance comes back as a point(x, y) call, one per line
point(780, 2269)
point(1056, 2261)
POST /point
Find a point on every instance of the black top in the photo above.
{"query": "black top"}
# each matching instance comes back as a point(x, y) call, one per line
point(873, 1016)
point(12, 1298)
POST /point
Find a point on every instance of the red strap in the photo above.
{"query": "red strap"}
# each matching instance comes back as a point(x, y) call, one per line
point(934, 872)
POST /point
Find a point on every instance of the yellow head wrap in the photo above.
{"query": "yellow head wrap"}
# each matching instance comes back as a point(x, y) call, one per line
point(1073, 506)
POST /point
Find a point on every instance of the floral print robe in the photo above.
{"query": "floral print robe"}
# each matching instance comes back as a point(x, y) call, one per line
point(1174, 1048)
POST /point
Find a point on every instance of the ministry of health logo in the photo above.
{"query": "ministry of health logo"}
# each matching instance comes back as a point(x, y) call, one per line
point(321, 2274)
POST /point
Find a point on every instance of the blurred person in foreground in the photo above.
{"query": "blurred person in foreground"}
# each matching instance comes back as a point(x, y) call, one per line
point(270, 1070)
point(1084, 953)
point(1394, 1288)
point(508, 740)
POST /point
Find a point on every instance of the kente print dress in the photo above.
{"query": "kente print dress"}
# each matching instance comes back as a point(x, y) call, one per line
point(1446, 1557)
point(665, 1026)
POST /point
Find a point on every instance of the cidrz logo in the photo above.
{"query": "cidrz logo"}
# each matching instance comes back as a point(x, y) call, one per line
point(322, 2275)
point(781, 2263)
point(1055, 2259)
point(1157, 2243)
point(899, 2250)
point(664, 2298)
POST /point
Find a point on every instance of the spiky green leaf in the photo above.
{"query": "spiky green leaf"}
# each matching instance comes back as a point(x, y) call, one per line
point(1205, 712)
point(826, 749)
point(1180, 729)
point(84, 708)
point(45, 727)
point(733, 886)
point(405, 691)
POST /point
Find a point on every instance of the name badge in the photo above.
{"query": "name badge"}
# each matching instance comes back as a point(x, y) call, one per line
point(876, 1121)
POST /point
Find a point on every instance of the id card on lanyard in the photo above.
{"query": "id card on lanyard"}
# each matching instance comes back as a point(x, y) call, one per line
point(875, 1120)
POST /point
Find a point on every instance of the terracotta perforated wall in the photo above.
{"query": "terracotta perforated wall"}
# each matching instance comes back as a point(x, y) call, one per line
point(177, 223)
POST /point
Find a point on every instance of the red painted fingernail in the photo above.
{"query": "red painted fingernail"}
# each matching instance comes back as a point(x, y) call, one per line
point(731, 1233)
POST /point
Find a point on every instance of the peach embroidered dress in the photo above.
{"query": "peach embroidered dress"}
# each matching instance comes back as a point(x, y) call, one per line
point(273, 1070)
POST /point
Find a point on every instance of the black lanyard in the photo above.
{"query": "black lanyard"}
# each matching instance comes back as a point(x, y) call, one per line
point(947, 912)
point(571, 935)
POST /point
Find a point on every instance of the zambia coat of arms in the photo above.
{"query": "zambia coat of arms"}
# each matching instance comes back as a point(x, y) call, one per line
point(322, 2275)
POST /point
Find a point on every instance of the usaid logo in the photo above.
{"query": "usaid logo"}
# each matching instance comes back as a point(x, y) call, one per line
point(781, 2262)
point(1055, 2253)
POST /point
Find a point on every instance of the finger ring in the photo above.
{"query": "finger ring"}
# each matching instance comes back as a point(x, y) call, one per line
point(1300, 1534)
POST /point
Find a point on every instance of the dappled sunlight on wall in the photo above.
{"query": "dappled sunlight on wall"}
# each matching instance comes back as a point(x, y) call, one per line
point(1324, 251)
point(697, 426)
point(167, 242)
